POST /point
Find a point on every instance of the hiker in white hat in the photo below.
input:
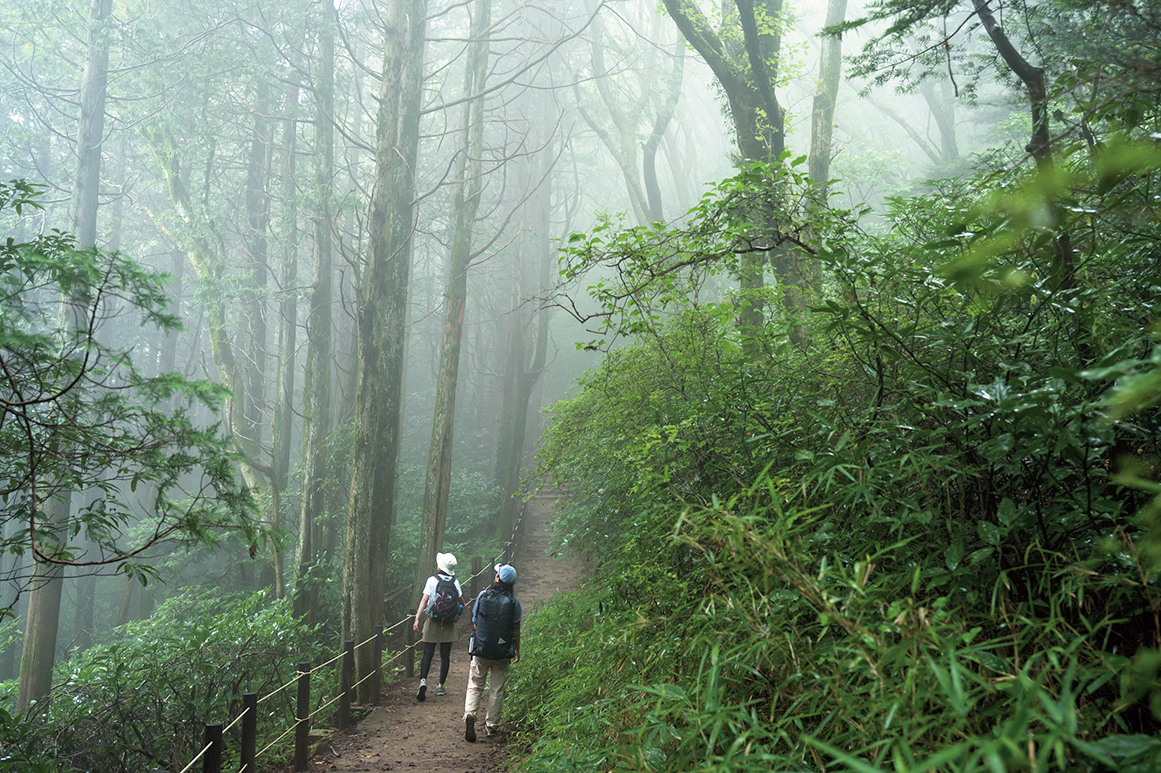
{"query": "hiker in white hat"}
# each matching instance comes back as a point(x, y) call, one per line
point(443, 601)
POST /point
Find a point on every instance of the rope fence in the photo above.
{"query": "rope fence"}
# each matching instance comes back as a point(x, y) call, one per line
point(212, 751)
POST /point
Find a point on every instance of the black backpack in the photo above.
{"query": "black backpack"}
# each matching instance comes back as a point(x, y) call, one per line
point(444, 606)
point(495, 636)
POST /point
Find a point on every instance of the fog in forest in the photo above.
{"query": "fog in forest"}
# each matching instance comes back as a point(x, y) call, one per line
point(365, 215)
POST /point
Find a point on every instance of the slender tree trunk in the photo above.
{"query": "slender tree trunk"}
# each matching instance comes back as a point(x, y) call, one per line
point(287, 329)
point(468, 184)
point(317, 388)
point(822, 118)
point(207, 262)
point(12, 604)
point(621, 139)
point(524, 365)
point(508, 447)
point(124, 614)
point(382, 317)
point(1040, 148)
point(665, 114)
point(84, 612)
point(91, 128)
point(942, 106)
point(744, 60)
point(43, 621)
point(256, 311)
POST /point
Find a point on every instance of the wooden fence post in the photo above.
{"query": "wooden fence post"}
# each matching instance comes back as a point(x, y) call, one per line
point(477, 567)
point(346, 679)
point(409, 654)
point(250, 732)
point(377, 664)
point(302, 715)
point(212, 761)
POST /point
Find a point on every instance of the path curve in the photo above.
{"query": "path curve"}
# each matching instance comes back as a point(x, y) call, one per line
point(403, 734)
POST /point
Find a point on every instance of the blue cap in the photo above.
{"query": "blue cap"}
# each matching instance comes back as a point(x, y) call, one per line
point(506, 573)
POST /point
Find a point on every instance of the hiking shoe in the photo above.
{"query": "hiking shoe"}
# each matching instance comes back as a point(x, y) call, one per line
point(439, 690)
point(469, 728)
point(492, 730)
point(422, 694)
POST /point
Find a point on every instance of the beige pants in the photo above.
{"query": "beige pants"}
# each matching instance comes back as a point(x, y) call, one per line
point(477, 677)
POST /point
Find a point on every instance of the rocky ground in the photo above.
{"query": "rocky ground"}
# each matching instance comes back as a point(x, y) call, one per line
point(404, 734)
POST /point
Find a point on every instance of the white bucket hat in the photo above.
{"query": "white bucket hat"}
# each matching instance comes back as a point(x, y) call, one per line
point(446, 562)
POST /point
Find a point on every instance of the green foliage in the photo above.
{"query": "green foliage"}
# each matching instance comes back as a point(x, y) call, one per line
point(78, 416)
point(24, 747)
point(142, 701)
point(644, 272)
point(924, 539)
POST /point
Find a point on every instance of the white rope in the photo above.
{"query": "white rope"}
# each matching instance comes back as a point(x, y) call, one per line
point(283, 687)
point(276, 740)
point(237, 719)
point(205, 749)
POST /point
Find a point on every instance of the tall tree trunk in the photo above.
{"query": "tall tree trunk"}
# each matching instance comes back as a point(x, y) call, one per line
point(255, 310)
point(317, 387)
point(942, 106)
point(43, 621)
point(287, 329)
point(509, 440)
point(91, 128)
point(744, 60)
point(822, 117)
point(1040, 148)
point(523, 366)
point(11, 605)
point(206, 259)
point(85, 609)
point(468, 186)
point(382, 317)
point(664, 116)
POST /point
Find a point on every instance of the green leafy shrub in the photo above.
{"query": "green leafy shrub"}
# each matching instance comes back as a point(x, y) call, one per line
point(142, 701)
point(923, 537)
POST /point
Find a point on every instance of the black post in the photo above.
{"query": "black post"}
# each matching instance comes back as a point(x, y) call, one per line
point(346, 679)
point(408, 653)
point(250, 732)
point(477, 567)
point(212, 761)
point(302, 714)
point(377, 664)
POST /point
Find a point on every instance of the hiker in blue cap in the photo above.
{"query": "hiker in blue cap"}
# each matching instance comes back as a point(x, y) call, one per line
point(495, 644)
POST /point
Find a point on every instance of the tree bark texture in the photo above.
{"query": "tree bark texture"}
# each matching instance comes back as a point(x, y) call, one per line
point(317, 387)
point(825, 95)
point(91, 128)
point(287, 330)
point(43, 620)
point(468, 182)
point(207, 260)
point(382, 317)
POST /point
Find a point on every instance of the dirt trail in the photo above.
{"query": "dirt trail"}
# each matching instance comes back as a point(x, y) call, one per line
point(403, 734)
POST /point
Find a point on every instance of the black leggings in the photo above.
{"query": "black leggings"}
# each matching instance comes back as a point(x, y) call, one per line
point(444, 659)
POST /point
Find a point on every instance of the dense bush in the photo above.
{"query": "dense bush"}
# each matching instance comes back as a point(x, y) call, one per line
point(141, 702)
point(916, 535)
